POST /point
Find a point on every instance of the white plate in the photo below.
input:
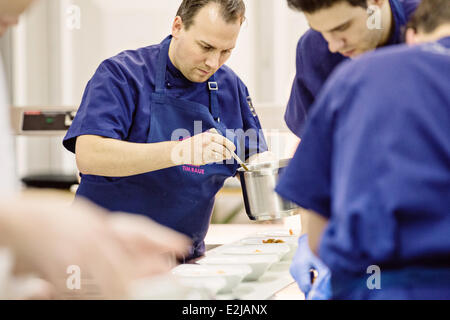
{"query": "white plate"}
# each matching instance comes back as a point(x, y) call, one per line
point(233, 275)
point(280, 250)
point(292, 242)
point(258, 263)
point(279, 233)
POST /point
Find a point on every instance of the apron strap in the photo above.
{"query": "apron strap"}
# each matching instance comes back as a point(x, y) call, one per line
point(160, 79)
point(214, 99)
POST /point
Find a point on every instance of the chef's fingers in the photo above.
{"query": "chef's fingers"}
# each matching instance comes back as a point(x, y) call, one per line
point(9, 20)
point(218, 138)
point(135, 230)
point(152, 264)
point(223, 152)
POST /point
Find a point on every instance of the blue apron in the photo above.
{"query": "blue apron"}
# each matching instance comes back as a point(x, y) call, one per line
point(181, 197)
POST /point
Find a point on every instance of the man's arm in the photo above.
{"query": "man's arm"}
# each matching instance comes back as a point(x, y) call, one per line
point(315, 225)
point(115, 158)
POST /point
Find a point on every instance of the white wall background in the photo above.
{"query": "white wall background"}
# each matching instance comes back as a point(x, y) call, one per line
point(52, 63)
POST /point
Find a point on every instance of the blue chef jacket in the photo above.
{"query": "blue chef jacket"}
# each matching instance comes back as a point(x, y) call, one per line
point(139, 96)
point(315, 63)
point(375, 161)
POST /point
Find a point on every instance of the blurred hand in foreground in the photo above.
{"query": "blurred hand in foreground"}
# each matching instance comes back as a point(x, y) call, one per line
point(53, 241)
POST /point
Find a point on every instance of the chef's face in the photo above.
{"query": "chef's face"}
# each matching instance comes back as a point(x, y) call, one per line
point(199, 51)
point(345, 28)
point(10, 11)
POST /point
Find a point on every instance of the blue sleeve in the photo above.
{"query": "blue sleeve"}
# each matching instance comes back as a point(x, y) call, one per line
point(255, 141)
point(307, 179)
point(301, 98)
point(106, 109)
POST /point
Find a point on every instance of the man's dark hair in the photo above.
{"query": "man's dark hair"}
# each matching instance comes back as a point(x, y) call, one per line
point(231, 10)
point(311, 6)
point(429, 15)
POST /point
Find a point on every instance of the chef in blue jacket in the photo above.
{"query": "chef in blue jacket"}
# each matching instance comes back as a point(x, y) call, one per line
point(373, 168)
point(156, 126)
point(340, 30)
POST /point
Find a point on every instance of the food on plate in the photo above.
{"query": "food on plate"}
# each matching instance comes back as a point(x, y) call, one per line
point(273, 241)
point(291, 232)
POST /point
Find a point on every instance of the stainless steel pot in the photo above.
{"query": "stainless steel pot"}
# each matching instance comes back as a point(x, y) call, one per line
point(258, 188)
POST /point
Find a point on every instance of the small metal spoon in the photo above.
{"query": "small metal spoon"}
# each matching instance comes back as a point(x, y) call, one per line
point(235, 156)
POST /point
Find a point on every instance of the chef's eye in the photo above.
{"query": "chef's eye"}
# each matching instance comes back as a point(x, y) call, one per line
point(206, 48)
point(343, 27)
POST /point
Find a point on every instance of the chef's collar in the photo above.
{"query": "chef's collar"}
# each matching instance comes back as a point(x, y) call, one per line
point(175, 78)
point(399, 21)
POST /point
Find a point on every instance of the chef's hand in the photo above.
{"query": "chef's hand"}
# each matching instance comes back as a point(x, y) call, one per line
point(47, 237)
point(154, 246)
point(6, 21)
point(10, 11)
point(301, 269)
point(205, 148)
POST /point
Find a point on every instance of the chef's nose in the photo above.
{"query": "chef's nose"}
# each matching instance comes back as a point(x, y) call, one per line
point(213, 61)
point(335, 44)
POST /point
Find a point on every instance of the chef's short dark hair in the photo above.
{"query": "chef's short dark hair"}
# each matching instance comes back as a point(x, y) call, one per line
point(231, 10)
point(429, 15)
point(311, 6)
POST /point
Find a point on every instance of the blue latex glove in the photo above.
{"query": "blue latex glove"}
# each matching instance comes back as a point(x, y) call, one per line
point(302, 264)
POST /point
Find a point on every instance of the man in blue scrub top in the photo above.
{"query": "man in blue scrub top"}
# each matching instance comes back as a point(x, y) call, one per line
point(149, 135)
point(374, 168)
point(340, 29)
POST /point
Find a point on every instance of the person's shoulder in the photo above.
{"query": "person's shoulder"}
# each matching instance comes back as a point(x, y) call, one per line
point(374, 77)
point(314, 55)
point(312, 44)
point(227, 75)
point(312, 37)
point(383, 62)
point(133, 61)
point(226, 71)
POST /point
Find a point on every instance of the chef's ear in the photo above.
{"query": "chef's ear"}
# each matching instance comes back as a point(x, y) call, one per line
point(378, 3)
point(177, 26)
point(411, 36)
